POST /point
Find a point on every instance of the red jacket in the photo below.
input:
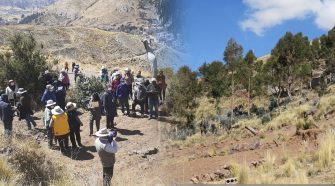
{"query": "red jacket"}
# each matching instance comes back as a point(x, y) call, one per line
point(115, 84)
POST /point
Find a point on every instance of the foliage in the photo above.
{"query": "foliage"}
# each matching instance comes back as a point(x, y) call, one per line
point(24, 65)
point(183, 91)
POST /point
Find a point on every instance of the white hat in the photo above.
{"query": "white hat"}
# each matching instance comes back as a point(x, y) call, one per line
point(57, 111)
point(103, 67)
point(50, 103)
point(153, 79)
point(117, 73)
point(46, 72)
point(127, 69)
point(21, 91)
point(63, 70)
point(102, 132)
point(70, 106)
point(50, 87)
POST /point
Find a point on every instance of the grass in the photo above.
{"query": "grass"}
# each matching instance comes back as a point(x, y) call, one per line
point(325, 153)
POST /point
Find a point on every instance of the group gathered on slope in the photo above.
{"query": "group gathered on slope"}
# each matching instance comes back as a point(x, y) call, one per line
point(62, 120)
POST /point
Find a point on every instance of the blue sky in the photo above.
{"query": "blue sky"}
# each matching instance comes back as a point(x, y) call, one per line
point(255, 24)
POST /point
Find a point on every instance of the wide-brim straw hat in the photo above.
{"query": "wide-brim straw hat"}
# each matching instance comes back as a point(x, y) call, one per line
point(57, 111)
point(102, 133)
point(70, 106)
point(153, 79)
point(21, 91)
point(50, 103)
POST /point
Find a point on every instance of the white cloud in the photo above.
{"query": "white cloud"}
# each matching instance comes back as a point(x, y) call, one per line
point(264, 14)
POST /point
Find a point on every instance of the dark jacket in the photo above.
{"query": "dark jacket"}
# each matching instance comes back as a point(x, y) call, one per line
point(47, 95)
point(95, 112)
point(24, 106)
point(74, 124)
point(6, 113)
point(109, 104)
point(153, 91)
point(122, 91)
point(60, 97)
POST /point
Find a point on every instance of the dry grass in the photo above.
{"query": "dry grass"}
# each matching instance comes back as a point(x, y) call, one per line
point(325, 153)
point(206, 109)
point(243, 176)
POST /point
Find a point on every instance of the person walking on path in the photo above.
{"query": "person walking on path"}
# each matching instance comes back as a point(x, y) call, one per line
point(60, 127)
point(106, 147)
point(152, 92)
point(64, 78)
point(48, 94)
point(162, 85)
point(116, 82)
point(76, 72)
point(75, 124)
point(146, 102)
point(139, 97)
point(73, 65)
point(60, 97)
point(11, 91)
point(95, 112)
point(109, 105)
point(6, 115)
point(24, 108)
point(47, 118)
point(47, 78)
point(66, 66)
point(122, 94)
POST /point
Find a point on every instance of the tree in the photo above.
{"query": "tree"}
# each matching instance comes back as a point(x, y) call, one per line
point(24, 64)
point(233, 56)
point(183, 91)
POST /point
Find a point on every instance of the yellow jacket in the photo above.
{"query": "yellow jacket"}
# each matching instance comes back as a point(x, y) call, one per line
point(60, 125)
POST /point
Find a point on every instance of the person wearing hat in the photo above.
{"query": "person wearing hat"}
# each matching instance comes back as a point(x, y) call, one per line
point(109, 106)
point(122, 93)
point(74, 123)
point(95, 109)
point(48, 94)
point(46, 78)
point(106, 147)
point(152, 92)
point(129, 79)
point(11, 91)
point(139, 96)
point(24, 108)
point(64, 78)
point(47, 118)
point(60, 126)
point(6, 114)
point(116, 82)
point(115, 73)
point(104, 74)
point(162, 85)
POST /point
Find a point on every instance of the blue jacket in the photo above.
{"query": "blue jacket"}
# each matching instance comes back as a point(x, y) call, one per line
point(48, 96)
point(6, 113)
point(122, 91)
point(74, 124)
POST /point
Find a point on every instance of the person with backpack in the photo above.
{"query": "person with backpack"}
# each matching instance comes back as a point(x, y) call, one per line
point(104, 74)
point(106, 147)
point(152, 92)
point(162, 85)
point(109, 105)
point(11, 91)
point(139, 97)
point(74, 123)
point(48, 94)
point(122, 93)
point(24, 108)
point(60, 126)
point(95, 109)
point(47, 118)
point(6, 114)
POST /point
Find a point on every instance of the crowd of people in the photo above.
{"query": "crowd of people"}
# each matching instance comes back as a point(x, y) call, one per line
point(61, 120)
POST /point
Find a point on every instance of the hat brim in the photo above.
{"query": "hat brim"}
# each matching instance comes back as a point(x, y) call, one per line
point(73, 107)
point(56, 113)
point(52, 104)
point(22, 92)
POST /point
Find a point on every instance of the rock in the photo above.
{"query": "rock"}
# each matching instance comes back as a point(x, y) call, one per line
point(266, 118)
point(195, 179)
point(255, 145)
point(144, 153)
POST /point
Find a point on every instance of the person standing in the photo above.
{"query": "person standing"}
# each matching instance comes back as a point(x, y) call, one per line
point(64, 78)
point(116, 82)
point(47, 118)
point(139, 97)
point(66, 66)
point(6, 115)
point(76, 72)
point(146, 104)
point(95, 112)
point(60, 97)
point(61, 129)
point(152, 92)
point(73, 65)
point(106, 147)
point(11, 91)
point(129, 79)
point(24, 108)
point(122, 94)
point(47, 78)
point(162, 85)
point(74, 123)
point(48, 94)
point(109, 105)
